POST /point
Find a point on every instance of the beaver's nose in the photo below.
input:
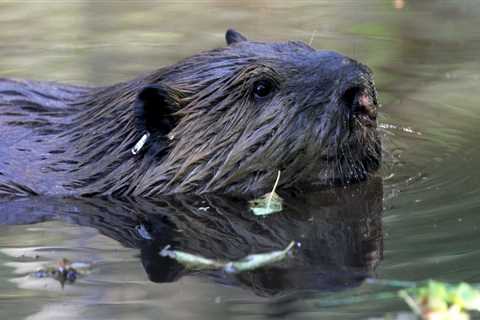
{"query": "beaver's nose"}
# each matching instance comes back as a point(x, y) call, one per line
point(361, 101)
point(355, 90)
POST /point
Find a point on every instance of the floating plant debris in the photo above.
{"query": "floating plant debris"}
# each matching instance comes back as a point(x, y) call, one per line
point(250, 262)
point(440, 301)
point(268, 203)
point(64, 271)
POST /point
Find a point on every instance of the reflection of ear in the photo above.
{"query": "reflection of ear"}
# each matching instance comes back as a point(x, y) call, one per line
point(162, 231)
point(233, 36)
point(159, 269)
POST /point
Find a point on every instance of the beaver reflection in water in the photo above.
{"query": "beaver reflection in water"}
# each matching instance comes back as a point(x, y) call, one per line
point(224, 120)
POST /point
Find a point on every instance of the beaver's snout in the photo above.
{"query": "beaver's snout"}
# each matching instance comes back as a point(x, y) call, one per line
point(354, 89)
point(356, 92)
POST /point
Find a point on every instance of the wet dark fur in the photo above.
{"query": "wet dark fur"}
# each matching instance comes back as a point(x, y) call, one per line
point(70, 140)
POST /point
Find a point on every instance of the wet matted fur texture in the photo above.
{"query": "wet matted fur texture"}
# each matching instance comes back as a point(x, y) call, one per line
point(225, 120)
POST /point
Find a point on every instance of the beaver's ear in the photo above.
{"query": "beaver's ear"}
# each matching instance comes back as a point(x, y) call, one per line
point(233, 36)
point(154, 109)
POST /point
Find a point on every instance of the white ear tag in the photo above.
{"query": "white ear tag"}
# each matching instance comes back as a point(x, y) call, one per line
point(139, 145)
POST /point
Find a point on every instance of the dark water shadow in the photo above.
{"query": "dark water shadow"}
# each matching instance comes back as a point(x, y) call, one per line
point(339, 231)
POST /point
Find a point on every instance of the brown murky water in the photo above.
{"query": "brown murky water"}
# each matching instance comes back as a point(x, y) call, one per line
point(420, 222)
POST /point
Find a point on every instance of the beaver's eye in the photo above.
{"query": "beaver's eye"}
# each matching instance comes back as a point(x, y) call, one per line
point(262, 88)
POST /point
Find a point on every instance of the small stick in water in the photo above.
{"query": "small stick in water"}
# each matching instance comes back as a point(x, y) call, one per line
point(250, 262)
point(255, 261)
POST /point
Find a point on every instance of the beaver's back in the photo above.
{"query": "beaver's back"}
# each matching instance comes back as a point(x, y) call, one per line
point(31, 113)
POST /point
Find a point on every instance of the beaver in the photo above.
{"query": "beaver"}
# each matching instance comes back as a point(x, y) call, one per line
point(221, 121)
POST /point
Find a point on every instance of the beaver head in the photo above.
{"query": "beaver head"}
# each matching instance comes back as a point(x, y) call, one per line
point(227, 120)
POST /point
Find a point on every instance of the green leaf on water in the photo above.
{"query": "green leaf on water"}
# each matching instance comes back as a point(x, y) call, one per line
point(439, 300)
point(465, 296)
point(268, 203)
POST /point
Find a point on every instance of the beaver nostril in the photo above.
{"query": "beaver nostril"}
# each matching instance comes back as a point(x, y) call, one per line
point(360, 102)
point(350, 96)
